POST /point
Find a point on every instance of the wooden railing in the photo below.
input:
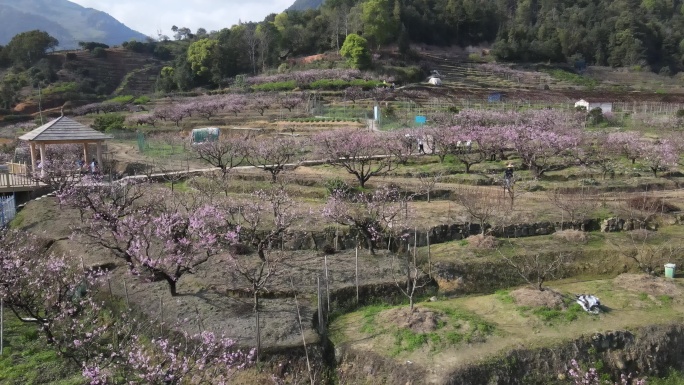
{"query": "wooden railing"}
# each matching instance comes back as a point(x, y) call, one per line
point(17, 168)
point(17, 175)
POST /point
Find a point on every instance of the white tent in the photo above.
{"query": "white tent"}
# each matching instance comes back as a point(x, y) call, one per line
point(435, 81)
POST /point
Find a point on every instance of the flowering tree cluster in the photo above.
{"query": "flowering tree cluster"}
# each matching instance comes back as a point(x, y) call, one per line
point(544, 140)
point(153, 236)
point(274, 154)
point(225, 153)
point(308, 76)
point(591, 376)
point(62, 166)
point(205, 106)
point(362, 154)
point(104, 107)
point(202, 358)
point(110, 347)
point(372, 214)
point(145, 119)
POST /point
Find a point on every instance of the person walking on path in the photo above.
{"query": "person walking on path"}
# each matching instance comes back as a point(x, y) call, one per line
point(508, 179)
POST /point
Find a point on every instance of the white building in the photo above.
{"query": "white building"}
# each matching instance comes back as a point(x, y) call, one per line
point(591, 104)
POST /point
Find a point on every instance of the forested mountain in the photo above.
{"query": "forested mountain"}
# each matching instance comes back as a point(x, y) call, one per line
point(68, 22)
point(645, 34)
point(616, 33)
point(303, 5)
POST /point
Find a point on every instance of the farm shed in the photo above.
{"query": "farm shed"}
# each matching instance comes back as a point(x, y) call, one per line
point(590, 104)
point(206, 134)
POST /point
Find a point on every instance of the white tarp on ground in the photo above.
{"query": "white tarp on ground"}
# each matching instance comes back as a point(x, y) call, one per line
point(589, 303)
point(435, 81)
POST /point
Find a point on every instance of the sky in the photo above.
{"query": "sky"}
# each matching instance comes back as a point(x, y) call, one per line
point(149, 16)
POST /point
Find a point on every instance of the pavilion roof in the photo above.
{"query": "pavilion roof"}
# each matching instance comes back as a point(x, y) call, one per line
point(65, 130)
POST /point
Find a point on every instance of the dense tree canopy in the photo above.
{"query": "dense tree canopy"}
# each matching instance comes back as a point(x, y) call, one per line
point(29, 47)
point(646, 34)
point(355, 49)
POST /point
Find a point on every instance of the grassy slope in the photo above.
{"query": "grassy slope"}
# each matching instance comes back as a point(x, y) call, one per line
point(27, 359)
point(513, 327)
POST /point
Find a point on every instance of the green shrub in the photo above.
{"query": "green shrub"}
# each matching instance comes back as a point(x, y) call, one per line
point(109, 122)
point(572, 78)
point(680, 113)
point(504, 296)
point(365, 84)
point(61, 88)
point(122, 99)
point(288, 85)
point(339, 185)
point(16, 118)
point(99, 52)
point(141, 100)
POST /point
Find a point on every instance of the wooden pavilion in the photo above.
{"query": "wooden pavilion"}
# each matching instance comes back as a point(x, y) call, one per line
point(64, 130)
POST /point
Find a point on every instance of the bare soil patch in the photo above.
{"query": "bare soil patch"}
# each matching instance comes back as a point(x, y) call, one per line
point(421, 320)
point(527, 296)
point(642, 283)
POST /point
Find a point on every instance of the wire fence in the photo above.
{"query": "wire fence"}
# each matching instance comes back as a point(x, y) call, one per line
point(8, 210)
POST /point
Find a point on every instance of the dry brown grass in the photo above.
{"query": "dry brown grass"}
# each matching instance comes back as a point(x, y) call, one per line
point(421, 320)
point(528, 296)
point(651, 204)
point(642, 283)
point(481, 241)
point(571, 236)
point(641, 235)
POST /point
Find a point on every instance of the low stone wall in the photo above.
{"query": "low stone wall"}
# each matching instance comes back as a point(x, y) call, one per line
point(346, 238)
point(648, 351)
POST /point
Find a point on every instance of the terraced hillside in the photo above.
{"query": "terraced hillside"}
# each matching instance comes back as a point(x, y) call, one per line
point(472, 80)
point(120, 71)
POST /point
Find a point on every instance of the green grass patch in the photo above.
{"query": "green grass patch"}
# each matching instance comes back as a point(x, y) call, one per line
point(406, 340)
point(504, 296)
point(573, 78)
point(288, 85)
point(178, 186)
point(554, 315)
point(17, 221)
point(673, 378)
point(59, 88)
point(122, 99)
point(27, 359)
point(368, 314)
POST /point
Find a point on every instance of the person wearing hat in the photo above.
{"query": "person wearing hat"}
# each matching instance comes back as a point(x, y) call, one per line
point(508, 175)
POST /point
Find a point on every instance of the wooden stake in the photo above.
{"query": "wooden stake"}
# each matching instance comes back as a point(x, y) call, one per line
point(327, 281)
point(357, 274)
point(161, 316)
point(428, 255)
